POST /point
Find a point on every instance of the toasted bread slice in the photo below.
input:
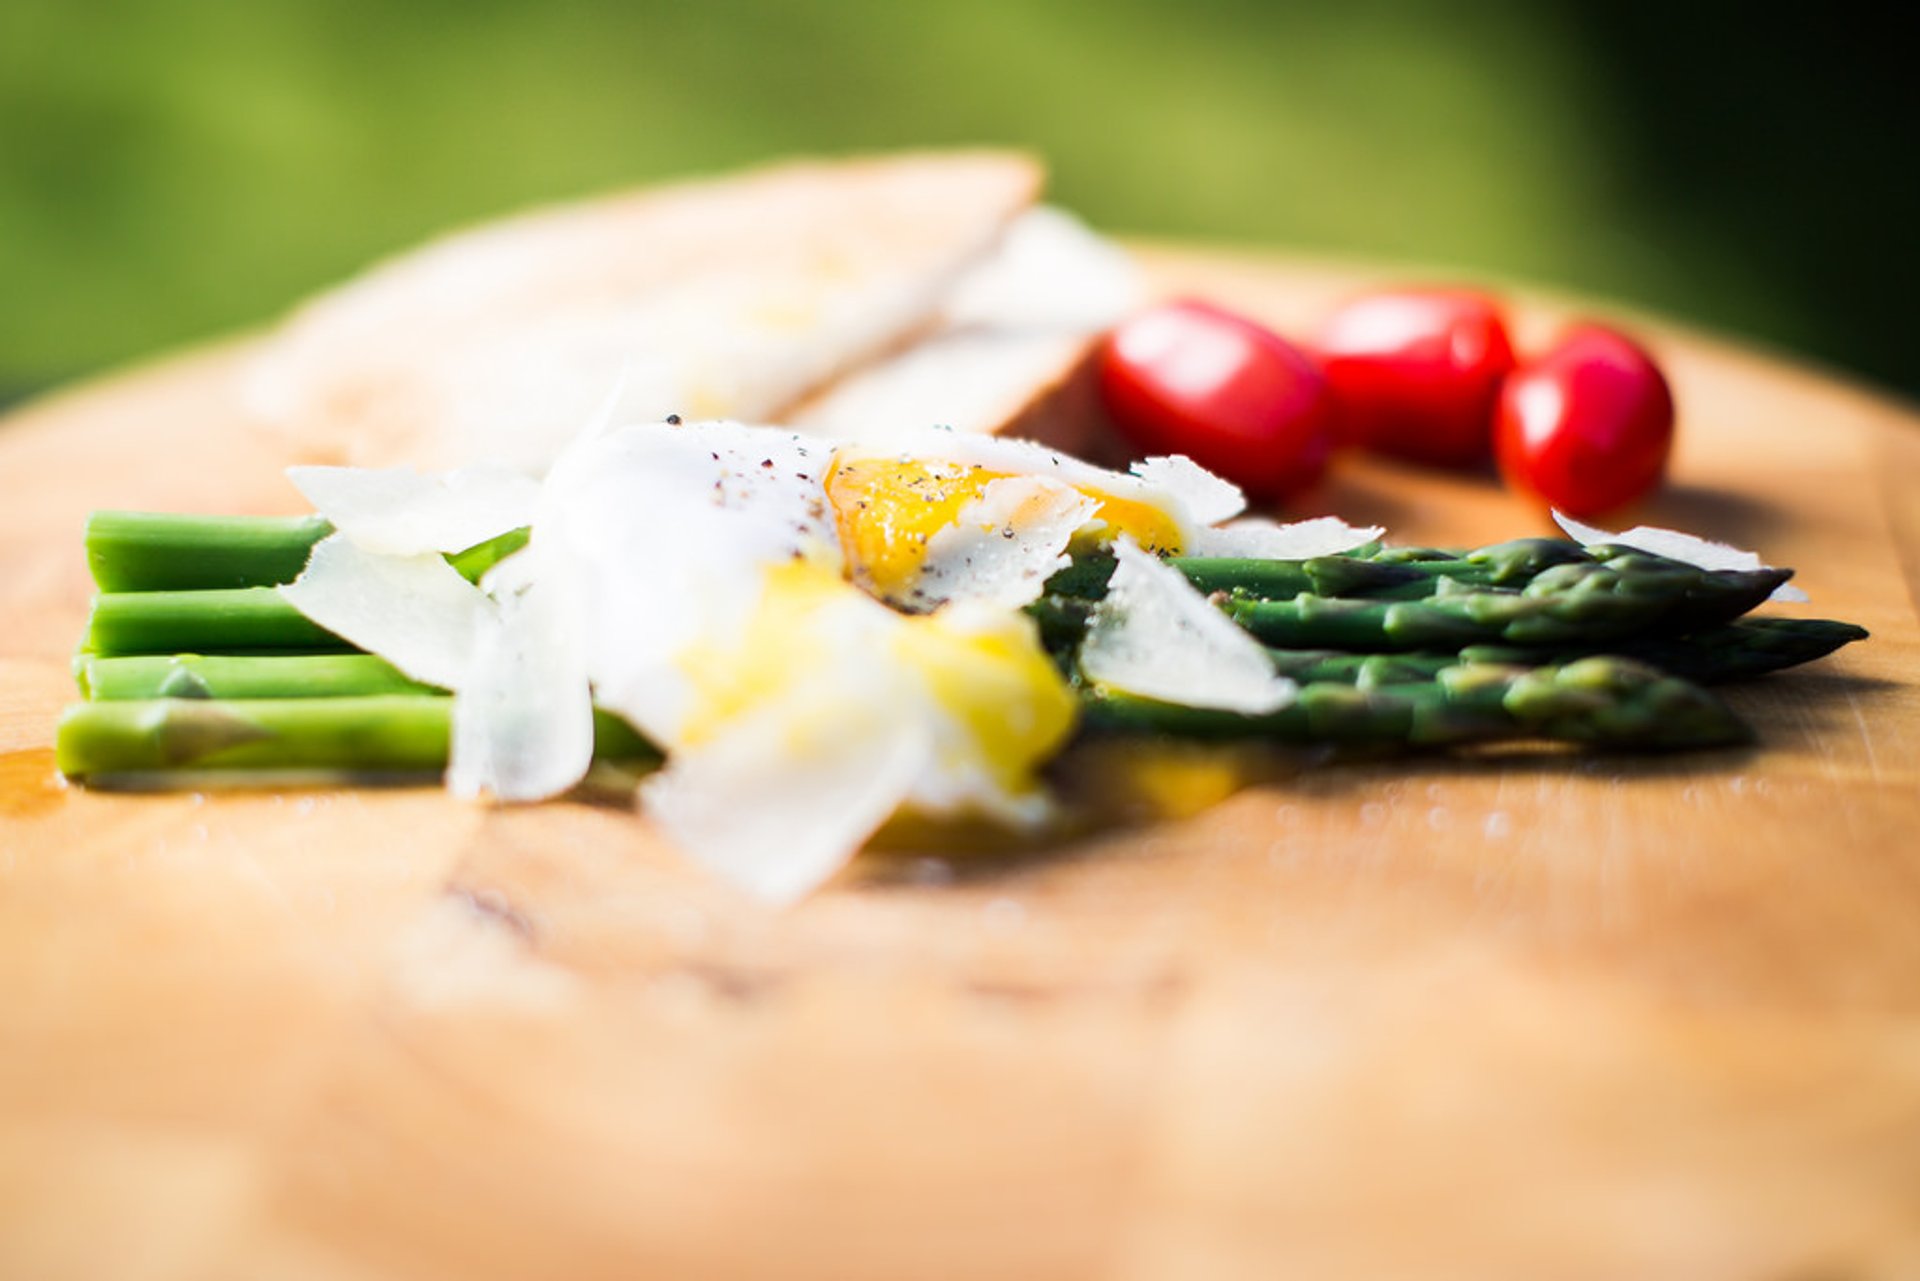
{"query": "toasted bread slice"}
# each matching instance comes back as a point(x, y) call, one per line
point(729, 297)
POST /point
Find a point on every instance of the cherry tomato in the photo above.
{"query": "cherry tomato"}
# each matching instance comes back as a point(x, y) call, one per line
point(1191, 378)
point(1415, 373)
point(1587, 426)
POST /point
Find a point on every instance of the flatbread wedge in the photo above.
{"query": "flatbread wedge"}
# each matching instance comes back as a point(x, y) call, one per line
point(1008, 351)
point(735, 296)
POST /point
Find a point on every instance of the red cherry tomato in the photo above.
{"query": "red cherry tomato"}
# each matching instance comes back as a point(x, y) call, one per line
point(1190, 378)
point(1415, 373)
point(1587, 426)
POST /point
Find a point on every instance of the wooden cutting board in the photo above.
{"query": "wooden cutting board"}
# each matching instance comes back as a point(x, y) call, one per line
point(1530, 1017)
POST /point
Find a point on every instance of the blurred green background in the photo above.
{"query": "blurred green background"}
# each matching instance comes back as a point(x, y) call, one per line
point(172, 170)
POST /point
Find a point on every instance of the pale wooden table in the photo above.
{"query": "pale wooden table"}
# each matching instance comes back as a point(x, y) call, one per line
point(1529, 1018)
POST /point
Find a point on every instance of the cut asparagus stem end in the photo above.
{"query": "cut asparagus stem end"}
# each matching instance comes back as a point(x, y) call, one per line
point(157, 551)
point(382, 733)
point(213, 620)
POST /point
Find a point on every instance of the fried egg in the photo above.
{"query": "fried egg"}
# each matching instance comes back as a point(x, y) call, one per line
point(817, 635)
point(797, 711)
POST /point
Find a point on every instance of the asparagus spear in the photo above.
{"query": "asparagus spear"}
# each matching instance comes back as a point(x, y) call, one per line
point(1580, 603)
point(476, 560)
point(1574, 603)
point(1382, 575)
point(215, 619)
point(382, 733)
point(1394, 573)
point(164, 551)
point(241, 676)
point(1733, 651)
point(1739, 650)
point(1608, 702)
point(1604, 701)
point(1577, 594)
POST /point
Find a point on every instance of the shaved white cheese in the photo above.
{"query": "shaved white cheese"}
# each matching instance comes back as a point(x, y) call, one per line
point(781, 801)
point(414, 611)
point(1209, 499)
point(398, 511)
point(1675, 545)
point(523, 717)
point(1156, 636)
point(1262, 539)
point(1003, 546)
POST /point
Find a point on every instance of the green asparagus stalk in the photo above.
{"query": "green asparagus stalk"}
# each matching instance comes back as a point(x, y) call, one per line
point(1385, 574)
point(1607, 702)
point(475, 561)
point(164, 551)
point(206, 621)
point(1366, 671)
point(1577, 595)
point(382, 733)
point(1380, 575)
point(1582, 603)
point(1569, 604)
point(394, 733)
point(1738, 650)
point(248, 676)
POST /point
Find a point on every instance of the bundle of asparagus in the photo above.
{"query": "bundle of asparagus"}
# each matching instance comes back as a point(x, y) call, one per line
point(1424, 648)
point(193, 661)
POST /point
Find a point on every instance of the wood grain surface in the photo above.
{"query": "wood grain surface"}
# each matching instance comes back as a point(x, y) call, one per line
point(1531, 1016)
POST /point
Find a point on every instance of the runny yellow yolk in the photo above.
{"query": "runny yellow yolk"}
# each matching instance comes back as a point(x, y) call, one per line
point(1009, 701)
point(886, 510)
point(1010, 705)
point(780, 647)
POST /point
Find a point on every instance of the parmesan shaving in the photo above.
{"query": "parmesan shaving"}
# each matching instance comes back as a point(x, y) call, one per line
point(523, 717)
point(414, 611)
point(1209, 499)
point(398, 511)
point(784, 798)
point(1156, 636)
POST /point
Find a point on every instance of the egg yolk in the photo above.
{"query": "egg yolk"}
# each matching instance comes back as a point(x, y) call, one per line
point(1010, 703)
point(886, 510)
point(779, 647)
point(1007, 705)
